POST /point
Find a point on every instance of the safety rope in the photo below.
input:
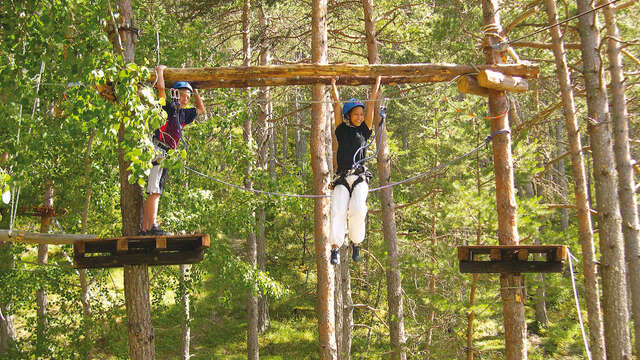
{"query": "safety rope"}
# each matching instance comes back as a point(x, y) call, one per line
point(311, 196)
point(575, 296)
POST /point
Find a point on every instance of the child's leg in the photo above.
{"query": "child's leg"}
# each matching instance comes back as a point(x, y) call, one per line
point(358, 212)
point(339, 202)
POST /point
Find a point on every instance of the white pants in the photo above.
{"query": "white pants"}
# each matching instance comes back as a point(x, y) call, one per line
point(353, 208)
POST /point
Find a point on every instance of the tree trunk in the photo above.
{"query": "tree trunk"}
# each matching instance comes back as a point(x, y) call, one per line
point(320, 167)
point(301, 139)
point(253, 350)
point(580, 188)
point(515, 328)
point(394, 282)
point(43, 254)
point(338, 304)
point(614, 291)
point(626, 183)
point(186, 320)
point(136, 277)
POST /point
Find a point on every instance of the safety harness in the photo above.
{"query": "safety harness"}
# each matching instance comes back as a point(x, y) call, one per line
point(359, 169)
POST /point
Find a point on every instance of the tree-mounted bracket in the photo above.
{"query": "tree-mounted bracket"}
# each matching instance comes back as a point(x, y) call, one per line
point(512, 259)
point(137, 250)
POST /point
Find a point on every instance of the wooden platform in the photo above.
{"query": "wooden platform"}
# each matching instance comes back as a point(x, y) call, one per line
point(136, 250)
point(511, 258)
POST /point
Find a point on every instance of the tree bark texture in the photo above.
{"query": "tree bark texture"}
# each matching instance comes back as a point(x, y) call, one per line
point(580, 188)
point(515, 328)
point(394, 282)
point(43, 254)
point(338, 300)
point(614, 290)
point(136, 277)
point(626, 183)
point(347, 303)
point(320, 167)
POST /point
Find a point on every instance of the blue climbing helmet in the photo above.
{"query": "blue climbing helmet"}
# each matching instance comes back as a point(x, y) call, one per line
point(350, 105)
point(182, 85)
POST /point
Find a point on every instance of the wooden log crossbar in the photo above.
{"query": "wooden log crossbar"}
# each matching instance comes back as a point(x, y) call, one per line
point(513, 259)
point(136, 250)
point(345, 74)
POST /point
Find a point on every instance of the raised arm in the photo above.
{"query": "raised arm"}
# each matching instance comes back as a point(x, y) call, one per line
point(199, 103)
point(162, 97)
point(368, 117)
point(337, 110)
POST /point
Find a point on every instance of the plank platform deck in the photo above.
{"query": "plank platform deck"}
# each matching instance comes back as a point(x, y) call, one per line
point(137, 250)
point(511, 258)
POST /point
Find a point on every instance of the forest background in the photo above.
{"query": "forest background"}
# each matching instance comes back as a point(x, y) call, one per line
point(61, 138)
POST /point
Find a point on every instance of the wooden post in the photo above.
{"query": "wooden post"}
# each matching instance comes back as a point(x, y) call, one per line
point(136, 277)
point(515, 327)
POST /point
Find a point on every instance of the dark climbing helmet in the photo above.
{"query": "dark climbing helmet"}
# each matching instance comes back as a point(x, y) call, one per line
point(182, 85)
point(350, 105)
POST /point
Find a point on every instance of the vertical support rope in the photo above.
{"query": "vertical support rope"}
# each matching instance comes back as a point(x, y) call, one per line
point(575, 295)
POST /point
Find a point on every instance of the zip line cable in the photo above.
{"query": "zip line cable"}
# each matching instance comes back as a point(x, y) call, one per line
point(505, 43)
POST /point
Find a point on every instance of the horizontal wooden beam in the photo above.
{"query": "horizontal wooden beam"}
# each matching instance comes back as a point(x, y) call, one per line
point(509, 267)
point(348, 74)
point(42, 238)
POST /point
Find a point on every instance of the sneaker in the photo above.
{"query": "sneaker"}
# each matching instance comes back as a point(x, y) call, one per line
point(155, 230)
point(335, 257)
point(143, 233)
point(356, 253)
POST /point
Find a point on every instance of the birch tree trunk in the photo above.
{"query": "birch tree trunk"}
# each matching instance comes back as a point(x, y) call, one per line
point(515, 328)
point(252, 252)
point(626, 183)
point(43, 254)
point(580, 188)
point(394, 282)
point(615, 310)
point(320, 167)
point(136, 277)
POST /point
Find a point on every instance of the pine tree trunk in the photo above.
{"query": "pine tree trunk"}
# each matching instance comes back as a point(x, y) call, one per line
point(338, 303)
point(43, 254)
point(615, 310)
point(252, 252)
point(626, 183)
point(301, 144)
point(320, 167)
point(561, 177)
point(394, 282)
point(136, 277)
point(580, 187)
point(515, 328)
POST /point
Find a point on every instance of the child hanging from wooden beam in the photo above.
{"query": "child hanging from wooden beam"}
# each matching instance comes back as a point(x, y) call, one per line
point(165, 138)
point(352, 128)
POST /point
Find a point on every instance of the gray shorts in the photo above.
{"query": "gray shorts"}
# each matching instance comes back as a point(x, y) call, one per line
point(158, 175)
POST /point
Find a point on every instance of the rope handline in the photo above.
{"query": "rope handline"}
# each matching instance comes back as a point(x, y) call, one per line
point(505, 43)
point(575, 295)
point(486, 141)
